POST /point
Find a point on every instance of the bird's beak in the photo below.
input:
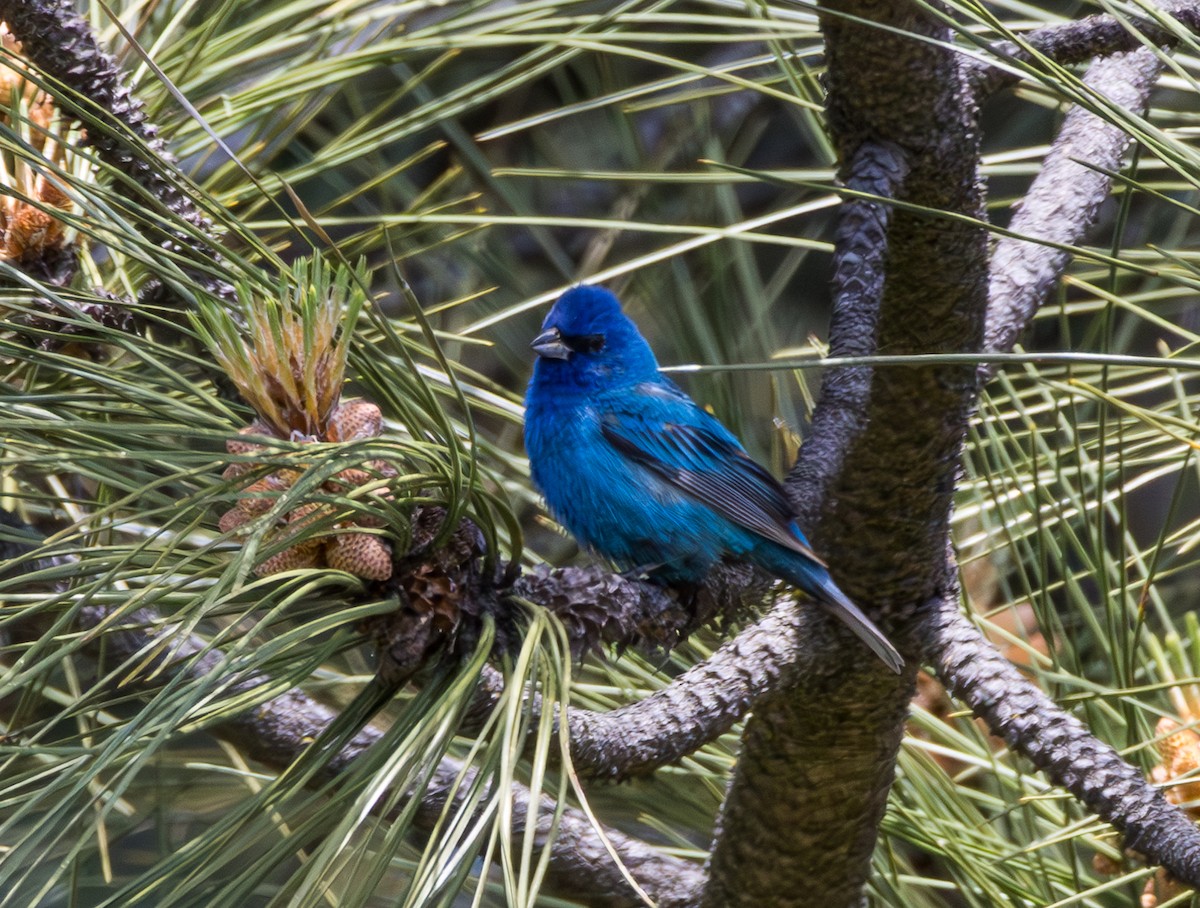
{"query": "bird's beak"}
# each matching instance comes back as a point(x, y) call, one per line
point(550, 345)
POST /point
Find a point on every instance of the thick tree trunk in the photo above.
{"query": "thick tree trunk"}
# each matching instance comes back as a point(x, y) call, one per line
point(875, 483)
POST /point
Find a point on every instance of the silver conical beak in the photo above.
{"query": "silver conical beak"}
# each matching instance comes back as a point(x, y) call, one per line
point(550, 345)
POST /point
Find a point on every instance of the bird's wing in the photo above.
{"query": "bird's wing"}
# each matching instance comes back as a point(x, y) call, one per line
point(663, 430)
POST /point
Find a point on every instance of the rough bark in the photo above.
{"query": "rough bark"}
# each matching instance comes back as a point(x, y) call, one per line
point(700, 705)
point(875, 481)
point(1084, 40)
point(1064, 200)
point(1058, 743)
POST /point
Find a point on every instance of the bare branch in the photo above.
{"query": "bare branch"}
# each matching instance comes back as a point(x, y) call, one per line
point(1084, 40)
point(700, 705)
point(859, 271)
point(1061, 206)
point(1063, 202)
point(1056, 742)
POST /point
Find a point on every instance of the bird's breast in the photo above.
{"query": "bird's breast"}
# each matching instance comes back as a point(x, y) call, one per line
point(610, 504)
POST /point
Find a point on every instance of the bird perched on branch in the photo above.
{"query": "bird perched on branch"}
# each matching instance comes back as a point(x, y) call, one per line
point(642, 475)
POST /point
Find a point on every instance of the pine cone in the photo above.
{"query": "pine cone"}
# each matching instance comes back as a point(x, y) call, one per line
point(365, 555)
point(1179, 748)
point(354, 419)
point(361, 554)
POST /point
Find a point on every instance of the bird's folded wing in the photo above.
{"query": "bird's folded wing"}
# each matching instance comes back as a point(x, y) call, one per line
point(692, 451)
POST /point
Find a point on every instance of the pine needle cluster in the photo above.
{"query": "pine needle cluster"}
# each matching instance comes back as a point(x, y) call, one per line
point(286, 354)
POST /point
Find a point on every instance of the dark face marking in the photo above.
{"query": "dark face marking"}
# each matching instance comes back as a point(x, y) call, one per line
point(583, 343)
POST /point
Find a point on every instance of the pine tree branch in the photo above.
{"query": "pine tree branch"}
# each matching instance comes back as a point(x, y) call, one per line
point(446, 594)
point(1064, 200)
point(876, 476)
point(278, 731)
point(1056, 742)
point(698, 706)
point(599, 608)
point(1084, 40)
point(1061, 206)
point(60, 43)
point(876, 169)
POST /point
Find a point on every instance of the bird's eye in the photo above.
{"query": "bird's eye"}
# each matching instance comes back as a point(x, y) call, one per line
point(584, 343)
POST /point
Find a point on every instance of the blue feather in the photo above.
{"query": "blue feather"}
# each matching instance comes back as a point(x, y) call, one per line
point(643, 476)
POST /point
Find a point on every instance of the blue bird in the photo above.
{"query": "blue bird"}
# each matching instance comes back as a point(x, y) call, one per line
point(641, 475)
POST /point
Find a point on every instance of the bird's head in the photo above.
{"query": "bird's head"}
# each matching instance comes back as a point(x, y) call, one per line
point(587, 334)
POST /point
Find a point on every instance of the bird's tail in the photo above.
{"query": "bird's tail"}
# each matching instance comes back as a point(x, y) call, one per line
point(837, 603)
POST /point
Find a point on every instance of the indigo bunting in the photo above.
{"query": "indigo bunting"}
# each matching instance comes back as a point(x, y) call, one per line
point(642, 475)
